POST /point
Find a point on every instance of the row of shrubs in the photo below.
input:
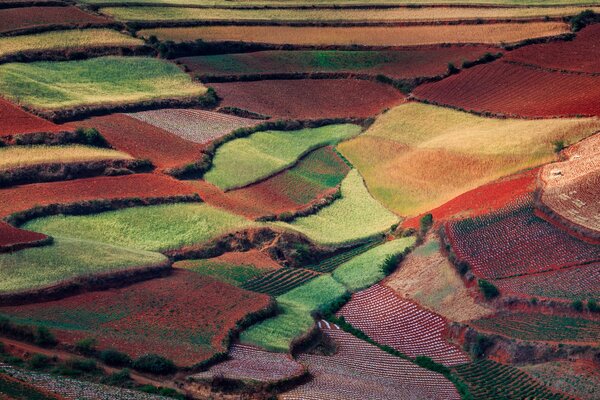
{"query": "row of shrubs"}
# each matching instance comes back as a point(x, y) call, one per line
point(85, 136)
point(592, 306)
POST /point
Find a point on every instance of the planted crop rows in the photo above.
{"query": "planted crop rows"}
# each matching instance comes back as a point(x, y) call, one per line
point(331, 263)
point(280, 281)
point(12, 19)
point(515, 242)
point(401, 324)
point(359, 370)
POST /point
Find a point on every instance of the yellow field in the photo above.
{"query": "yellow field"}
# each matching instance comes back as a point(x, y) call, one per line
point(21, 156)
point(416, 156)
point(365, 36)
point(70, 39)
point(392, 14)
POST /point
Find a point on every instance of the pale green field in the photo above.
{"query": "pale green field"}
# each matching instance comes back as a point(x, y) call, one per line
point(66, 40)
point(154, 228)
point(66, 259)
point(22, 156)
point(243, 161)
point(416, 156)
point(367, 269)
point(354, 217)
point(97, 81)
point(394, 14)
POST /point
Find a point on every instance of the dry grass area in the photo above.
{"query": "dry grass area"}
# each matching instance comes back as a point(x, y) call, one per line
point(66, 40)
point(21, 156)
point(417, 157)
point(427, 277)
point(365, 36)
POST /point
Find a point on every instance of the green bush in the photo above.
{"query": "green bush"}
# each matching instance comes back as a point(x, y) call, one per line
point(209, 99)
point(86, 346)
point(91, 137)
point(82, 365)
point(488, 289)
point(115, 358)
point(119, 378)
point(559, 145)
point(426, 222)
point(38, 361)
point(577, 305)
point(481, 344)
point(593, 306)
point(452, 69)
point(154, 364)
point(428, 363)
point(44, 337)
point(162, 391)
point(583, 19)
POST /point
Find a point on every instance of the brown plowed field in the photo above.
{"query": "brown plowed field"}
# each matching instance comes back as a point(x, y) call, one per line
point(11, 236)
point(29, 17)
point(16, 121)
point(516, 90)
point(145, 141)
point(309, 98)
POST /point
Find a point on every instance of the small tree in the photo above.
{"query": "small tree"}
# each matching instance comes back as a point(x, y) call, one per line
point(154, 364)
point(86, 346)
point(593, 306)
point(44, 337)
point(488, 289)
point(577, 305)
point(559, 146)
point(426, 222)
point(452, 69)
point(115, 358)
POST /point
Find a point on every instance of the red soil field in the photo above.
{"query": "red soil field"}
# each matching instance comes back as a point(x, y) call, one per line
point(184, 317)
point(15, 237)
point(23, 197)
point(401, 324)
point(483, 200)
point(15, 120)
point(516, 90)
point(250, 257)
point(145, 141)
point(28, 17)
point(581, 54)
point(309, 98)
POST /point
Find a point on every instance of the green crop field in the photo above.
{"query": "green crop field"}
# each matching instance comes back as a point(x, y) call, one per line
point(94, 82)
point(367, 269)
point(354, 217)
point(22, 156)
point(155, 13)
point(66, 259)
point(154, 228)
point(66, 40)
point(243, 161)
point(416, 156)
point(276, 334)
point(233, 274)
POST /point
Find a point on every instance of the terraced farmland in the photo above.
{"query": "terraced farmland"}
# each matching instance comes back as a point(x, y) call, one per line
point(401, 324)
point(278, 282)
point(22, 156)
point(580, 378)
point(15, 19)
point(17, 121)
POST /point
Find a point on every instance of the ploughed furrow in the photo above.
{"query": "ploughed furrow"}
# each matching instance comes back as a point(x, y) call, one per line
point(401, 324)
point(280, 281)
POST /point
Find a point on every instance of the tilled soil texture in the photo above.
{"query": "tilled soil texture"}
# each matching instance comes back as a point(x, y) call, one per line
point(32, 17)
point(310, 98)
point(16, 121)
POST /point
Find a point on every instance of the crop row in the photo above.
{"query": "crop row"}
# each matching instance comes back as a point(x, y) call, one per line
point(515, 242)
point(278, 282)
point(331, 263)
point(401, 324)
point(359, 370)
point(490, 380)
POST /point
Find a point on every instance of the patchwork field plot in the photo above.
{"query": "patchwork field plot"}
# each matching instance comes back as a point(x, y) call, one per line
point(310, 98)
point(197, 126)
point(331, 263)
point(98, 81)
point(278, 282)
point(243, 161)
point(341, 3)
point(354, 217)
point(21, 156)
point(13, 19)
point(513, 89)
point(581, 54)
point(16, 121)
point(277, 334)
point(157, 13)
point(427, 277)
point(184, 317)
point(488, 379)
point(569, 188)
point(369, 267)
point(67, 259)
point(579, 378)
point(66, 40)
point(541, 327)
point(401, 324)
point(250, 363)
point(11, 237)
point(314, 175)
point(575, 283)
point(13, 389)
point(417, 157)
point(156, 228)
point(515, 242)
point(145, 141)
point(359, 370)
point(397, 64)
point(364, 36)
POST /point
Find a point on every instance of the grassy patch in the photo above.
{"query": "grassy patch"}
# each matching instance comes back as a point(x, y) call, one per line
point(416, 157)
point(21, 156)
point(66, 259)
point(155, 228)
point(226, 272)
point(67, 40)
point(246, 160)
point(356, 216)
point(97, 81)
point(368, 268)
